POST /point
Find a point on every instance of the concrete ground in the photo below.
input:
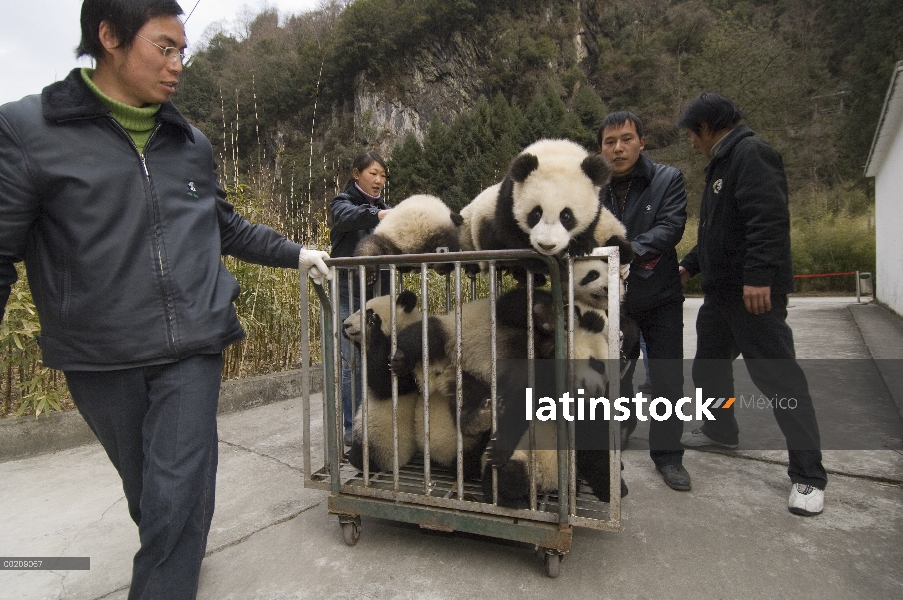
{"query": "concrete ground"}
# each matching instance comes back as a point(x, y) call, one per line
point(730, 537)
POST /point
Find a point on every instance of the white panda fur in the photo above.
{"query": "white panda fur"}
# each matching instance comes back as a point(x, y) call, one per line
point(478, 214)
point(609, 231)
point(591, 282)
point(379, 434)
point(379, 393)
point(418, 224)
point(548, 201)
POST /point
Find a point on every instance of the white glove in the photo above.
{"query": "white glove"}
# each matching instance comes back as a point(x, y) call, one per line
point(313, 261)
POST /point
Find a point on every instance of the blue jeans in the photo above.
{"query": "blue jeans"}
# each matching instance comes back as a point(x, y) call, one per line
point(158, 427)
point(351, 354)
point(645, 354)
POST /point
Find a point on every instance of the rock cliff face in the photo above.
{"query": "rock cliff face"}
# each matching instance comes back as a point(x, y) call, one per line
point(441, 80)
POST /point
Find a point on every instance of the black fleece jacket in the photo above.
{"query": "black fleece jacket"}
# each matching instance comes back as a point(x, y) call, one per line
point(655, 213)
point(122, 249)
point(744, 222)
point(351, 218)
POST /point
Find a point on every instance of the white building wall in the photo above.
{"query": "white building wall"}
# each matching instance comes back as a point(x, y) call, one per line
point(889, 226)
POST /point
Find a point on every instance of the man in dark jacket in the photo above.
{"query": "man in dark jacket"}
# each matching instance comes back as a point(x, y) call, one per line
point(651, 201)
point(111, 199)
point(743, 255)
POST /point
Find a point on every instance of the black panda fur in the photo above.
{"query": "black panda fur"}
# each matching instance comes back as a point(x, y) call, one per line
point(379, 386)
point(509, 451)
point(609, 231)
point(476, 375)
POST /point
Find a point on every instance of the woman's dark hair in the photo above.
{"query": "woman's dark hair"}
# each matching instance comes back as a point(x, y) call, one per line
point(364, 160)
point(619, 118)
point(125, 17)
point(717, 112)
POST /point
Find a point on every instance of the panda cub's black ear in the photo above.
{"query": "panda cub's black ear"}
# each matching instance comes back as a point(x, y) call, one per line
point(407, 300)
point(456, 219)
point(596, 169)
point(522, 166)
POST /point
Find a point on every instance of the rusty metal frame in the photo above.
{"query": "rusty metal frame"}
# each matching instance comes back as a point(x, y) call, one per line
point(417, 495)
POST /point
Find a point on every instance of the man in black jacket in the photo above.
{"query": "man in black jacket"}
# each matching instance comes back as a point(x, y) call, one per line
point(651, 201)
point(743, 255)
point(110, 198)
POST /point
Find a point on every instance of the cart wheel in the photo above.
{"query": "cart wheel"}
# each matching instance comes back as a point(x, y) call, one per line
point(351, 530)
point(553, 564)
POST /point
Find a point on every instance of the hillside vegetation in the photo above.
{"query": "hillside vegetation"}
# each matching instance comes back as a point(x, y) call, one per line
point(810, 74)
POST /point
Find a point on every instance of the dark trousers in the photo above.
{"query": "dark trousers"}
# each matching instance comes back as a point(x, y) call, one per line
point(158, 426)
point(724, 330)
point(662, 330)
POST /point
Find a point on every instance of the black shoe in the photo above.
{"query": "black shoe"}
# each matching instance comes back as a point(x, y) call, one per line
point(676, 477)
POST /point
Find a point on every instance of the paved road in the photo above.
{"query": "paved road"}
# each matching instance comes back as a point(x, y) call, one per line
point(731, 537)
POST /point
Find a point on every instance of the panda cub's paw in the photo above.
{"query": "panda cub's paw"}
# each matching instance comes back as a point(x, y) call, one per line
point(398, 364)
point(591, 320)
point(479, 419)
point(591, 380)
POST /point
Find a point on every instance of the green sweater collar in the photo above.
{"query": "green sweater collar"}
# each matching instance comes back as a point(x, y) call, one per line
point(138, 122)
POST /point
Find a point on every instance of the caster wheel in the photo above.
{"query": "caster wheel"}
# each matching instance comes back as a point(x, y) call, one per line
point(553, 564)
point(351, 531)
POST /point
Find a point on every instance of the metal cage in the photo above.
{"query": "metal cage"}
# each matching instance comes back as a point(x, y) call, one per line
point(442, 499)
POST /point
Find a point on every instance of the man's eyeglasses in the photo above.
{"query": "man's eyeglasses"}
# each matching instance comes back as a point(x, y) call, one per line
point(170, 53)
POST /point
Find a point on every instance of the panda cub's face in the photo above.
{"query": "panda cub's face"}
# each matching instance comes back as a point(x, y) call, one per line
point(555, 193)
point(378, 316)
point(591, 283)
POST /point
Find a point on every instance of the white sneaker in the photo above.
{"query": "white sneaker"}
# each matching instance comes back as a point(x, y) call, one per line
point(806, 500)
point(697, 439)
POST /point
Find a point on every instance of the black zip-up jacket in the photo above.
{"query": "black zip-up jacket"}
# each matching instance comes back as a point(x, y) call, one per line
point(352, 217)
point(744, 221)
point(655, 212)
point(122, 250)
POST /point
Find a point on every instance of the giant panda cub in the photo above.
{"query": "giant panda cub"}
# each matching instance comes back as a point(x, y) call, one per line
point(509, 451)
point(476, 417)
point(419, 224)
point(379, 385)
point(548, 201)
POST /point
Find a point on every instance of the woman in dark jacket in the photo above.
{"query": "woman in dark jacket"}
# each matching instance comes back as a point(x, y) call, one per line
point(353, 214)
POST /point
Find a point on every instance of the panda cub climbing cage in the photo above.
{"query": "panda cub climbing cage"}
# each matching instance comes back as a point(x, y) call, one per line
point(424, 467)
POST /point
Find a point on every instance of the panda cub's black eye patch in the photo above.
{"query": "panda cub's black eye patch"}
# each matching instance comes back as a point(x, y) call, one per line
point(589, 277)
point(534, 216)
point(567, 219)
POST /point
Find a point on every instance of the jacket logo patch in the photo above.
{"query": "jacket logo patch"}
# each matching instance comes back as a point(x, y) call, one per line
point(648, 209)
point(192, 191)
point(716, 187)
